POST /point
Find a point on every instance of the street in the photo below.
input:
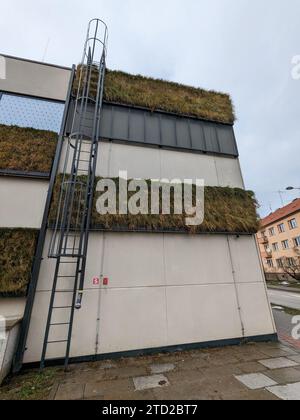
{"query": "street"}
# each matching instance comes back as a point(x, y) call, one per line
point(283, 298)
point(284, 320)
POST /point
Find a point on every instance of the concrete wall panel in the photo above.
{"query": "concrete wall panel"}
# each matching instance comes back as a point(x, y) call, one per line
point(22, 202)
point(202, 313)
point(255, 309)
point(163, 290)
point(197, 260)
point(244, 255)
point(132, 319)
point(229, 172)
point(12, 307)
point(35, 79)
point(152, 163)
point(134, 261)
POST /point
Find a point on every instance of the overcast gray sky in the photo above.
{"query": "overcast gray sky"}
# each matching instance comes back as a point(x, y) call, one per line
point(243, 47)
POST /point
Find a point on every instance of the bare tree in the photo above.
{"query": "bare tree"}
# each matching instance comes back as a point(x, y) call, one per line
point(291, 266)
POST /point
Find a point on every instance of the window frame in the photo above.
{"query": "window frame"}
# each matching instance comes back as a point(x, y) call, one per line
point(297, 241)
point(272, 231)
point(285, 242)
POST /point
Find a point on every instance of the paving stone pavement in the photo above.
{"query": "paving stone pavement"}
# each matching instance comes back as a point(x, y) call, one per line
point(266, 371)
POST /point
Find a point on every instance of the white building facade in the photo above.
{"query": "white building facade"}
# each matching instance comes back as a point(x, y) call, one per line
point(143, 292)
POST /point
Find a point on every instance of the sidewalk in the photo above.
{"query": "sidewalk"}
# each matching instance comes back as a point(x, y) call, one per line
point(221, 374)
point(249, 372)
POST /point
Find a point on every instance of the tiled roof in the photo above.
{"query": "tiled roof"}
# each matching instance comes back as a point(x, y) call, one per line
point(282, 213)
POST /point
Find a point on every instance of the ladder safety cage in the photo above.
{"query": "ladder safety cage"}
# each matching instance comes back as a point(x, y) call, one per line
point(69, 241)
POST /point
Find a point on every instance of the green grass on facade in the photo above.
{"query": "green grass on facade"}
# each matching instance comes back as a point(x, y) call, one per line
point(166, 96)
point(17, 250)
point(227, 210)
point(26, 149)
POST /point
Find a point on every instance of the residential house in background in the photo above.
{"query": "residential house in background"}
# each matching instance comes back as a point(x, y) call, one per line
point(279, 241)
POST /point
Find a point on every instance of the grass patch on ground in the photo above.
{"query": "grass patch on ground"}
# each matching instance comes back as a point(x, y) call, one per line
point(277, 283)
point(17, 250)
point(31, 385)
point(26, 149)
point(289, 311)
point(155, 94)
point(227, 210)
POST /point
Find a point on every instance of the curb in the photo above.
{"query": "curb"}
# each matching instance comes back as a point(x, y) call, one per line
point(285, 289)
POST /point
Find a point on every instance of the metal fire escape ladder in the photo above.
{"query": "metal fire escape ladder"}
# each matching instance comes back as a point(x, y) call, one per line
point(69, 242)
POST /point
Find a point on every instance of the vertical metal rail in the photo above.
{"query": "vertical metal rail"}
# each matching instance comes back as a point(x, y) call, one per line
point(69, 242)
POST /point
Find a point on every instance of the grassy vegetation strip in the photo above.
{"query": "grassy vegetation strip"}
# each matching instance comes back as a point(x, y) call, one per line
point(31, 385)
point(227, 210)
point(17, 250)
point(286, 310)
point(162, 95)
point(26, 149)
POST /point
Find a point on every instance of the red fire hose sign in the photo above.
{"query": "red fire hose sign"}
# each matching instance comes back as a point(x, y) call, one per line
point(96, 281)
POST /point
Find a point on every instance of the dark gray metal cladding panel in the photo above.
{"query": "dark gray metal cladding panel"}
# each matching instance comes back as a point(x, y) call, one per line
point(183, 134)
point(211, 138)
point(197, 136)
point(161, 129)
point(168, 131)
point(152, 128)
point(227, 140)
point(120, 124)
point(106, 122)
point(136, 126)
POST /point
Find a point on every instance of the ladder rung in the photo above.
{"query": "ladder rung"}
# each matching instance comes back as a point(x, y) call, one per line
point(57, 341)
point(62, 307)
point(59, 323)
point(68, 262)
point(64, 291)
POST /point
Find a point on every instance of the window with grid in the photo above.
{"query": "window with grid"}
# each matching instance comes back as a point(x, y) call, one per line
point(285, 244)
point(297, 241)
point(24, 111)
point(293, 224)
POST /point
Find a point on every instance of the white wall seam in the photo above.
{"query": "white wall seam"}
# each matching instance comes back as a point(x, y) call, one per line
point(217, 172)
point(236, 288)
point(99, 302)
point(165, 288)
point(162, 286)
